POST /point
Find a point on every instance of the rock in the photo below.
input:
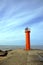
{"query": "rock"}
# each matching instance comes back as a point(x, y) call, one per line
point(3, 53)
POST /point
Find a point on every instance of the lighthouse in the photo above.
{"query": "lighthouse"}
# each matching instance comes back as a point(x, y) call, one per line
point(27, 35)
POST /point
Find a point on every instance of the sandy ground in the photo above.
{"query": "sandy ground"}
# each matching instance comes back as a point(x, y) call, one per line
point(23, 57)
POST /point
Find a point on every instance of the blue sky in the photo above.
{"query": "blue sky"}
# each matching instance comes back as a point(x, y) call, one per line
point(15, 16)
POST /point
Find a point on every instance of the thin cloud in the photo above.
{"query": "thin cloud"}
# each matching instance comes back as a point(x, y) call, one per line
point(15, 15)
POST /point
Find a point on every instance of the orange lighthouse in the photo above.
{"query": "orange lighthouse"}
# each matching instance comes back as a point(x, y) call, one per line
point(27, 33)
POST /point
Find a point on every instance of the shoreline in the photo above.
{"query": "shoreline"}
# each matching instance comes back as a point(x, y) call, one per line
point(23, 57)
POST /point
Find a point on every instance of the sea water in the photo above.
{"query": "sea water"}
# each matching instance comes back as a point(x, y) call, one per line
point(12, 47)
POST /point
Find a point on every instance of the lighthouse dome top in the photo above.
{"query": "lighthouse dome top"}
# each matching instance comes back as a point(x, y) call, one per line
point(27, 29)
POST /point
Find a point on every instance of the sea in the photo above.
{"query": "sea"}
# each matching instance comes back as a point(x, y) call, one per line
point(13, 47)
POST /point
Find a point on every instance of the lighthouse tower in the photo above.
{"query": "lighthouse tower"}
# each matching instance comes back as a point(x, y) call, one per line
point(27, 33)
